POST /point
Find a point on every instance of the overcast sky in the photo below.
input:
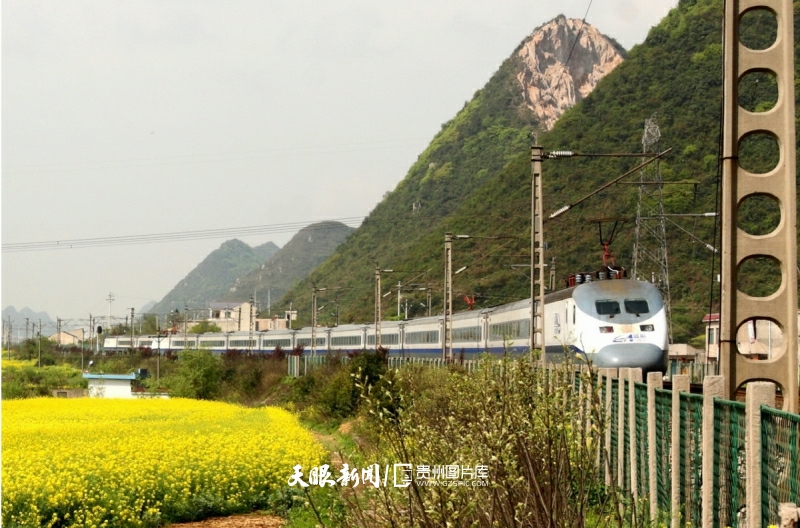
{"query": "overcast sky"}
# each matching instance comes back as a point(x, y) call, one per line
point(129, 118)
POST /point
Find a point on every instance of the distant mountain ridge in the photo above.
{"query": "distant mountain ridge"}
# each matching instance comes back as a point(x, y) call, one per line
point(215, 275)
point(18, 319)
point(310, 247)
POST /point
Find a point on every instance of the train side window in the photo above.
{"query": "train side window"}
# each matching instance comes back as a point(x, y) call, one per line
point(607, 307)
point(636, 306)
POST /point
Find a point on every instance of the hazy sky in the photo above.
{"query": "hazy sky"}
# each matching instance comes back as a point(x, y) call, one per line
point(129, 118)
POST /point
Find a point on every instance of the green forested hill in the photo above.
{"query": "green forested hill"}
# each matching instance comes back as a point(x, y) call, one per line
point(215, 275)
point(294, 261)
point(474, 178)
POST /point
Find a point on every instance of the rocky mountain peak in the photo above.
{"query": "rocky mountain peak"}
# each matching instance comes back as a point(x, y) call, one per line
point(554, 76)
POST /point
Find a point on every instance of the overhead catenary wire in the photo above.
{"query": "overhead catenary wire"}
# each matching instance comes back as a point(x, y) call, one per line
point(78, 243)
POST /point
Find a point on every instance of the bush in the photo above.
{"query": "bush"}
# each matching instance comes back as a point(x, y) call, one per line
point(198, 375)
point(529, 426)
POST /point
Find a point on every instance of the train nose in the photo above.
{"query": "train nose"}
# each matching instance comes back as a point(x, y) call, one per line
point(624, 355)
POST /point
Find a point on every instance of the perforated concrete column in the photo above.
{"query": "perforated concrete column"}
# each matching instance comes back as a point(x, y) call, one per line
point(776, 249)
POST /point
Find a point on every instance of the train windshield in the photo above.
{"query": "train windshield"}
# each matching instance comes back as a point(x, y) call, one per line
point(607, 307)
point(636, 306)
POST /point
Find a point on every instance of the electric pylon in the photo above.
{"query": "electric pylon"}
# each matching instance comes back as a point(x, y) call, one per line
point(650, 245)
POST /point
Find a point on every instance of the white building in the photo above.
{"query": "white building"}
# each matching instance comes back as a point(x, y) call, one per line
point(231, 316)
point(110, 385)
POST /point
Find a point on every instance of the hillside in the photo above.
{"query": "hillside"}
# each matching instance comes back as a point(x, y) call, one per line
point(310, 247)
point(406, 230)
point(215, 275)
point(482, 156)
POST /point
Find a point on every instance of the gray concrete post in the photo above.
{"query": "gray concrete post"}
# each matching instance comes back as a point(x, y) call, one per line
point(634, 376)
point(654, 381)
point(680, 384)
point(758, 393)
point(607, 374)
point(713, 387)
point(622, 414)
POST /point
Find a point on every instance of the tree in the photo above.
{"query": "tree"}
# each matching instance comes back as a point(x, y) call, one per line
point(204, 326)
point(198, 375)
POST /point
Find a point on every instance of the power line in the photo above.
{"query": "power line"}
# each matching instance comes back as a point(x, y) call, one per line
point(80, 243)
point(206, 158)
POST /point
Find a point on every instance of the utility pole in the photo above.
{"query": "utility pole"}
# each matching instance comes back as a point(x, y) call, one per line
point(250, 338)
point(399, 290)
point(314, 291)
point(58, 331)
point(110, 299)
point(429, 297)
point(378, 298)
point(737, 308)
point(26, 329)
point(40, 343)
point(537, 254)
point(133, 311)
point(447, 331)
point(10, 334)
point(186, 323)
point(158, 358)
point(650, 245)
point(91, 333)
point(269, 302)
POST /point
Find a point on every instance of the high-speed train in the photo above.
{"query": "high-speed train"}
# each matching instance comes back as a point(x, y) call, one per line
point(613, 323)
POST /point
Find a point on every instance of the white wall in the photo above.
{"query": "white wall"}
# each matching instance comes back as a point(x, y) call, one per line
point(109, 388)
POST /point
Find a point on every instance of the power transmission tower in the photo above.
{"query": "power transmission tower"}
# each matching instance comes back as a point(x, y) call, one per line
point(650, 245)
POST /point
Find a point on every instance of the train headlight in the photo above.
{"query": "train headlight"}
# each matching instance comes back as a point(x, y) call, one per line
point(606, 329)
point(646, 328)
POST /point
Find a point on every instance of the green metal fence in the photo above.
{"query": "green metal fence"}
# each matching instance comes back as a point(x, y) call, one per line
point(642, 467)
point(663, 443)
point(690, 461)
point(729, 464)
point(780, 462)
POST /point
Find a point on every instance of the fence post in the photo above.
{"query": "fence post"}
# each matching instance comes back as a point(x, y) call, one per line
point(680, 383)
point(621, 413)
point(713, 387)
point(654, 381)
point(607, 374)
point(634, 376)
point(758, 393)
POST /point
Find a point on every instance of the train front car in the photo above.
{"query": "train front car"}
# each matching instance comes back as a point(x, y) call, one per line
point(622, 324)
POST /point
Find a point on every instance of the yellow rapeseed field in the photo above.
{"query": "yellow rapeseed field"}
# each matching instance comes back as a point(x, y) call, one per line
point(103, 463)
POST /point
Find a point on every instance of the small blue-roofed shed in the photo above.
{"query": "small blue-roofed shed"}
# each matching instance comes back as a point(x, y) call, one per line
point(110, 385)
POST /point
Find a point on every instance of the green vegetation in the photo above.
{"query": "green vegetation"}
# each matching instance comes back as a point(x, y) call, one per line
point(204, 326)
point(24, 379)
point(474, 178)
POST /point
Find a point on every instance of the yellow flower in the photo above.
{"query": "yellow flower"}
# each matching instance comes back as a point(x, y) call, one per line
point(105, 462)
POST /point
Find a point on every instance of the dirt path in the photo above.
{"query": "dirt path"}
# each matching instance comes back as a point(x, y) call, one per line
point(251, 520)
